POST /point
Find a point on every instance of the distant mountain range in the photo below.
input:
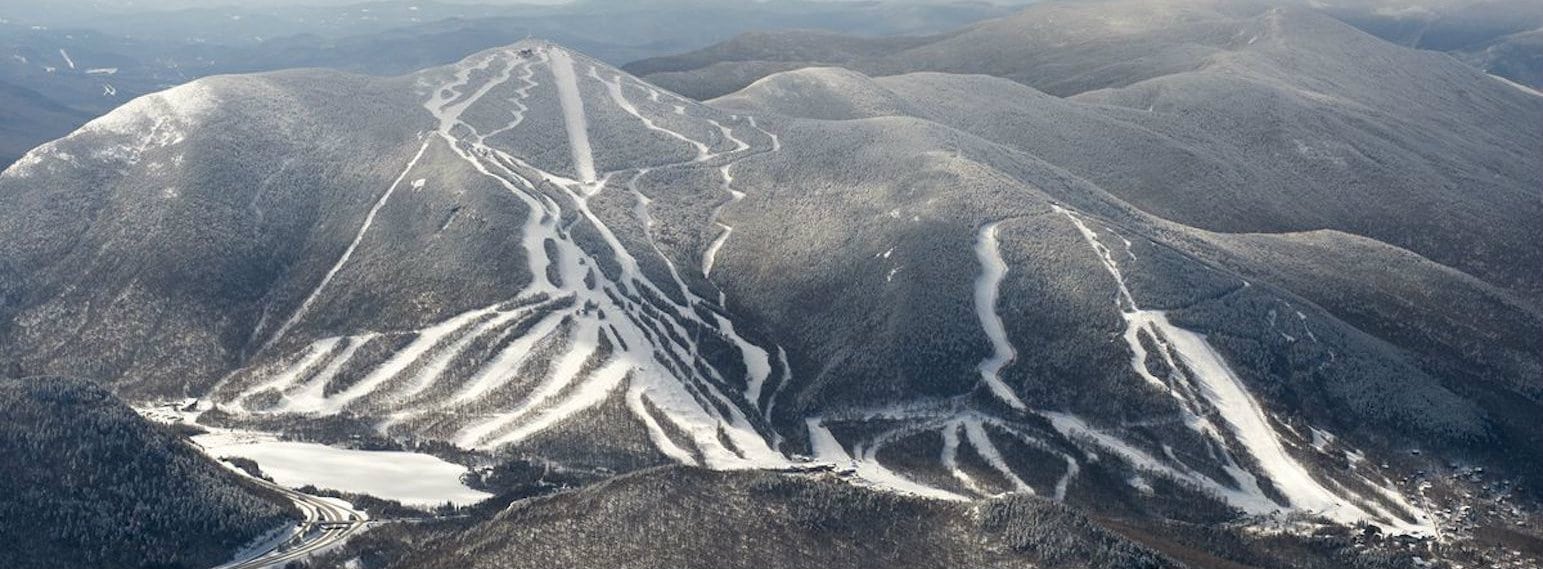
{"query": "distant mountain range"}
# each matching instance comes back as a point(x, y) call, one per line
point(1308, 105)
point(1491, 35)
point(1192, 283)
point(79, 61)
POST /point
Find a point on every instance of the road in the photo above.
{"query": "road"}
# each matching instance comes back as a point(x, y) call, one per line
point(326, 524)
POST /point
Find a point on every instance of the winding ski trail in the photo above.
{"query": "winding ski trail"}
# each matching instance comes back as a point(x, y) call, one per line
point(987, 292)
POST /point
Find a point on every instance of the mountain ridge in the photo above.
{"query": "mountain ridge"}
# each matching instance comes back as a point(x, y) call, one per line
point(101, 487)
point(543, 253)
point(1313, 109)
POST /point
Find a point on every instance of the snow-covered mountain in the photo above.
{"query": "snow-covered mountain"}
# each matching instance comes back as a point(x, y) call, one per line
point(942, 285)
point(1267, 119)
point(63, 63)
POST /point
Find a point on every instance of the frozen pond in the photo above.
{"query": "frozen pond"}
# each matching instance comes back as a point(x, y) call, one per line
point(410, 478)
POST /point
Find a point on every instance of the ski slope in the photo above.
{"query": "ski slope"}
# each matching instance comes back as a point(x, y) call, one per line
point(604, 338)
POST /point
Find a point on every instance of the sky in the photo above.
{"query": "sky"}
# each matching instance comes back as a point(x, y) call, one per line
point(129, 5)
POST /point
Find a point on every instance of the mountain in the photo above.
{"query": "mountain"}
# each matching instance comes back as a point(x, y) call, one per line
point(678, 517)
point(1277, 120)
point(1512, 56)
point(1498, 36)
point(70, 63)
point(685, 517)
point(88, 483)
point(1490, 34)
point(945, 286)
point(27, 117)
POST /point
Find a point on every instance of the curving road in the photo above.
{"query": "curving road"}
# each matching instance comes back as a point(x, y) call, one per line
point(326, 524)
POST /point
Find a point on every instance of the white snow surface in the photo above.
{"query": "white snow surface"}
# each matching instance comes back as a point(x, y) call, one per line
point(654, 394)
point(827, 449)
point(1225, 392)
point(150, 121)
point(987, 289)
point(573, 115)
point(1518, 86)
point(411, 478)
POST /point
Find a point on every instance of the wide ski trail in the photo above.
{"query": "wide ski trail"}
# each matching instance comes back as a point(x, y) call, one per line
point(574, 120)
point(1205, 374)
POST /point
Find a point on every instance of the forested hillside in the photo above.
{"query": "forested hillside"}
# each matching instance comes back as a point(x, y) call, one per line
point(85, 482)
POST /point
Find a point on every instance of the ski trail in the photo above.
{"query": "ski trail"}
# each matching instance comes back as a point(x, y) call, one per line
point(451, 114)
point(289, 376)
point(614, 87)
point(987, 290)
point(787, 377)
point(757, 361)
point(573, 114)
point(443, 102)
point(710, 256)
point(590, 394)
point(528, 77)
point(369, 219)
point(684, 405)
point(539, 222)
point(1072, 467)
point(736, 426)
point(950, 458)
point(1249, 423)
point(1072, 470)
point(637, 404)
point(1137, 322)
point(427, 339)
point(640, 210)
point(1075, 428)
point(1303, 319)
point(976, 433)
point(564, 371)
point(775, 140)
point(704, 425)
point(728, 134)
point(1508, 82)
point(438, 364)
point(1236, 406)
point(825, 448)
point(314, 392)
point(508, 360)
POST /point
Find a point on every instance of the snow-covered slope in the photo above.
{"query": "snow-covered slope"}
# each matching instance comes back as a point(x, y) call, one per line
point(605, 329)
point(1227, 115)
point(532, 252)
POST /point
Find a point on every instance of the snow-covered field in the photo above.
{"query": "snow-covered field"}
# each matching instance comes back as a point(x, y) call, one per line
point(411, 478)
